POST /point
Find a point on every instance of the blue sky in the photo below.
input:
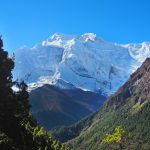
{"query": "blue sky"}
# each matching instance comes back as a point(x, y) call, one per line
point(27, 22)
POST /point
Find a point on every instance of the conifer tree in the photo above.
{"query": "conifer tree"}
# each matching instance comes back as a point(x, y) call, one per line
point(14, 106)
point(6, 66)
point(18, 129)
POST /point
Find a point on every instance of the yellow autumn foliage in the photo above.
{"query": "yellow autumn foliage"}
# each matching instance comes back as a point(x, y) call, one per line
point(114, 137)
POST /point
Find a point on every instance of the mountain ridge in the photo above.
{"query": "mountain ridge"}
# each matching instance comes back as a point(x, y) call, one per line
point(74, 59)
point(54, 107)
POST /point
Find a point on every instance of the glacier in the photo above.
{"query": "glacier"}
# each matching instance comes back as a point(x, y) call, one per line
point(79, 61)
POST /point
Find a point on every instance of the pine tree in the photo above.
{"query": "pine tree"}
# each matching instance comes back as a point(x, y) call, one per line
point(6, 66)
point(14, 106)
point(6, 93)
point(6, 98)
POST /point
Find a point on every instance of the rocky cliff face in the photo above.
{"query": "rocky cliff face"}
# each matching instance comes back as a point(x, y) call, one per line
point(137, 87)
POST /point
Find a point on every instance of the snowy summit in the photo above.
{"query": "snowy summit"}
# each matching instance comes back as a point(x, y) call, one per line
point(83, 61)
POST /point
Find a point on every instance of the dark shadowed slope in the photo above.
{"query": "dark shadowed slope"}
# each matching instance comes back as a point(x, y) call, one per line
point(53, 106)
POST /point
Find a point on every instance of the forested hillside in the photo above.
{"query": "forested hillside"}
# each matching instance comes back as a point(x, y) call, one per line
point(122, 123)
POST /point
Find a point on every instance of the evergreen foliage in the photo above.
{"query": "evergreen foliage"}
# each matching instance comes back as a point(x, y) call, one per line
point(18, 129)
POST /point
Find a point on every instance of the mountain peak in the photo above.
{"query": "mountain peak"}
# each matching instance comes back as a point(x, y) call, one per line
point(60, 36)
point(90, 36)
point(84, 60)
point(86, 36)
point(57, 36)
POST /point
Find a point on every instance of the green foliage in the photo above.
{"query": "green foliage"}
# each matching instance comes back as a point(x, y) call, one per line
point(65, 133)
point(114, 137)
point(45, 141)
point(18, 129)
point(136, 127)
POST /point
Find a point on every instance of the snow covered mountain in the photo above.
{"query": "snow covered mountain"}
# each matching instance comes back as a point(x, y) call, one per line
point(83, 61)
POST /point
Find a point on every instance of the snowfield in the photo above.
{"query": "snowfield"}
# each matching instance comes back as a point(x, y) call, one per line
point(82, 61)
